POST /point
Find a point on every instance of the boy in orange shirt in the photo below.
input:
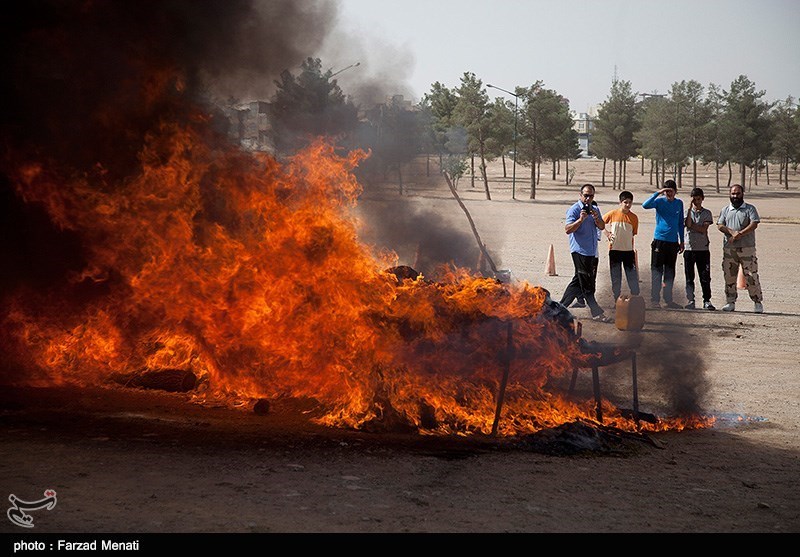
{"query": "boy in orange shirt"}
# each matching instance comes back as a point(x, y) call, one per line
point(621, 227)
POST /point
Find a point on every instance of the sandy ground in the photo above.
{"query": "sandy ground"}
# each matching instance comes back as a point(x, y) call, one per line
point(139, 462)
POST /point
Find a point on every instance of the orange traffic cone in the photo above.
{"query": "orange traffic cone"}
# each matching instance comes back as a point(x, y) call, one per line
point(550, 266)
point(741, 283)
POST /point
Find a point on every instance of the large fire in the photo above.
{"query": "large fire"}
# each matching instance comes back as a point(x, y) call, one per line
point(250, 274)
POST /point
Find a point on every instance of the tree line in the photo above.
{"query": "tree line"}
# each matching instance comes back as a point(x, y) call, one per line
point(692, 125)
point(463, 129)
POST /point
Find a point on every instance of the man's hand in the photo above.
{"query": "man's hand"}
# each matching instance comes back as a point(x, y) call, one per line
point(680, 247)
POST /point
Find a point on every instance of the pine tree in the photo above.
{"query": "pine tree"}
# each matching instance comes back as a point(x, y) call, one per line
point(615, 126)
point(472, 112)
point(745, 127)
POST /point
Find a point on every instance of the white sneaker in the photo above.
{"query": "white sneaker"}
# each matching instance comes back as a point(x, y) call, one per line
point(729, 307)
point(759, 307)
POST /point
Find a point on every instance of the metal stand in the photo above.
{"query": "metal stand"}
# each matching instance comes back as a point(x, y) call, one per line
point(502, 392)
point(597, 393)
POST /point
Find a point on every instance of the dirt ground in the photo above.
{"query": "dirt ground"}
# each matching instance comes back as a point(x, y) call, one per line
point(134, 461)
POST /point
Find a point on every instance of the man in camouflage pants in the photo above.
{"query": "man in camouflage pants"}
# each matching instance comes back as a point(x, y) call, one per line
point(738, 222)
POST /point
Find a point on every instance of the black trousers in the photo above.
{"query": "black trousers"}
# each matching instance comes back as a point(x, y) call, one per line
point(583, 283)
point(616, 261)
point(701, 260)
point(663, 256)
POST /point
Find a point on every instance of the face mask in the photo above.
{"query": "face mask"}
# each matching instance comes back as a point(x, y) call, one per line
point(737, 202)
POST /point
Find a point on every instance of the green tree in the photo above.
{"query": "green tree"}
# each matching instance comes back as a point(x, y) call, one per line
point(440, 103)
point(785, 124)
point(692, 116)
point(615, 126)
point(308, 106)
point(501, 127)
point(797, 145)
point(653, 137)
point(532, 129)
point(745, 126)
point(427, 140)
point(472, 112)
point(570, 149)
point(455, 166)
point(561, 140)
point(396, 137)
point(713, 148)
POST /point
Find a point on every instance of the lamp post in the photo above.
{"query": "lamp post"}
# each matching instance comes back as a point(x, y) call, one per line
point(514, 165)
point(343, 69)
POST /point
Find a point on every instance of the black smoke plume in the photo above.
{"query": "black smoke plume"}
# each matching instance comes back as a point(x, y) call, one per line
point(85, 82)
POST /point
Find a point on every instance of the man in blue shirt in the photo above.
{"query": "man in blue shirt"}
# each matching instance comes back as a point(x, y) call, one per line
point(582, 224)
point(667, 242)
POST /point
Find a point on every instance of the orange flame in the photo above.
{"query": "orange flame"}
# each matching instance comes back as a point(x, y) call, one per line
point(251, 274)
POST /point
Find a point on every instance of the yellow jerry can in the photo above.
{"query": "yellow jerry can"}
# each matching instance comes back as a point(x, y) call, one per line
point(630, 313)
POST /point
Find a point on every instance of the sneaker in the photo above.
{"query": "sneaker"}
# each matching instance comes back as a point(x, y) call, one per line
point(673, 305)
point(655, 305)
point(578, 304)
point(690, 305)
point(759, 308)
point(730, 306)
point(709, 306)
point(602, 318)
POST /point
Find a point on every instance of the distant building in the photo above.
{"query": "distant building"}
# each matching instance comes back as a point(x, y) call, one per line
point(257, 127)
point(583, 123)
point(250, 125)
point(377, 110)
point(401, 101)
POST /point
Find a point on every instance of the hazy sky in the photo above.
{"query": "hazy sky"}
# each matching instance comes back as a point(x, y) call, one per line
point(573, 46)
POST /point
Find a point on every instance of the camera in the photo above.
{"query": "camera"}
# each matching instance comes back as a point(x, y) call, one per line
point(587, 208)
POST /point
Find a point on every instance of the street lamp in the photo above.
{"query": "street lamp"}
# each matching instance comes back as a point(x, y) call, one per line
point(343, 69)
point(514, 165)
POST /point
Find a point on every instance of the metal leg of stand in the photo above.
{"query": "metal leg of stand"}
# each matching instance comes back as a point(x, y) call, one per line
point(635, 388)
point(597, 399)
point(572, 382)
